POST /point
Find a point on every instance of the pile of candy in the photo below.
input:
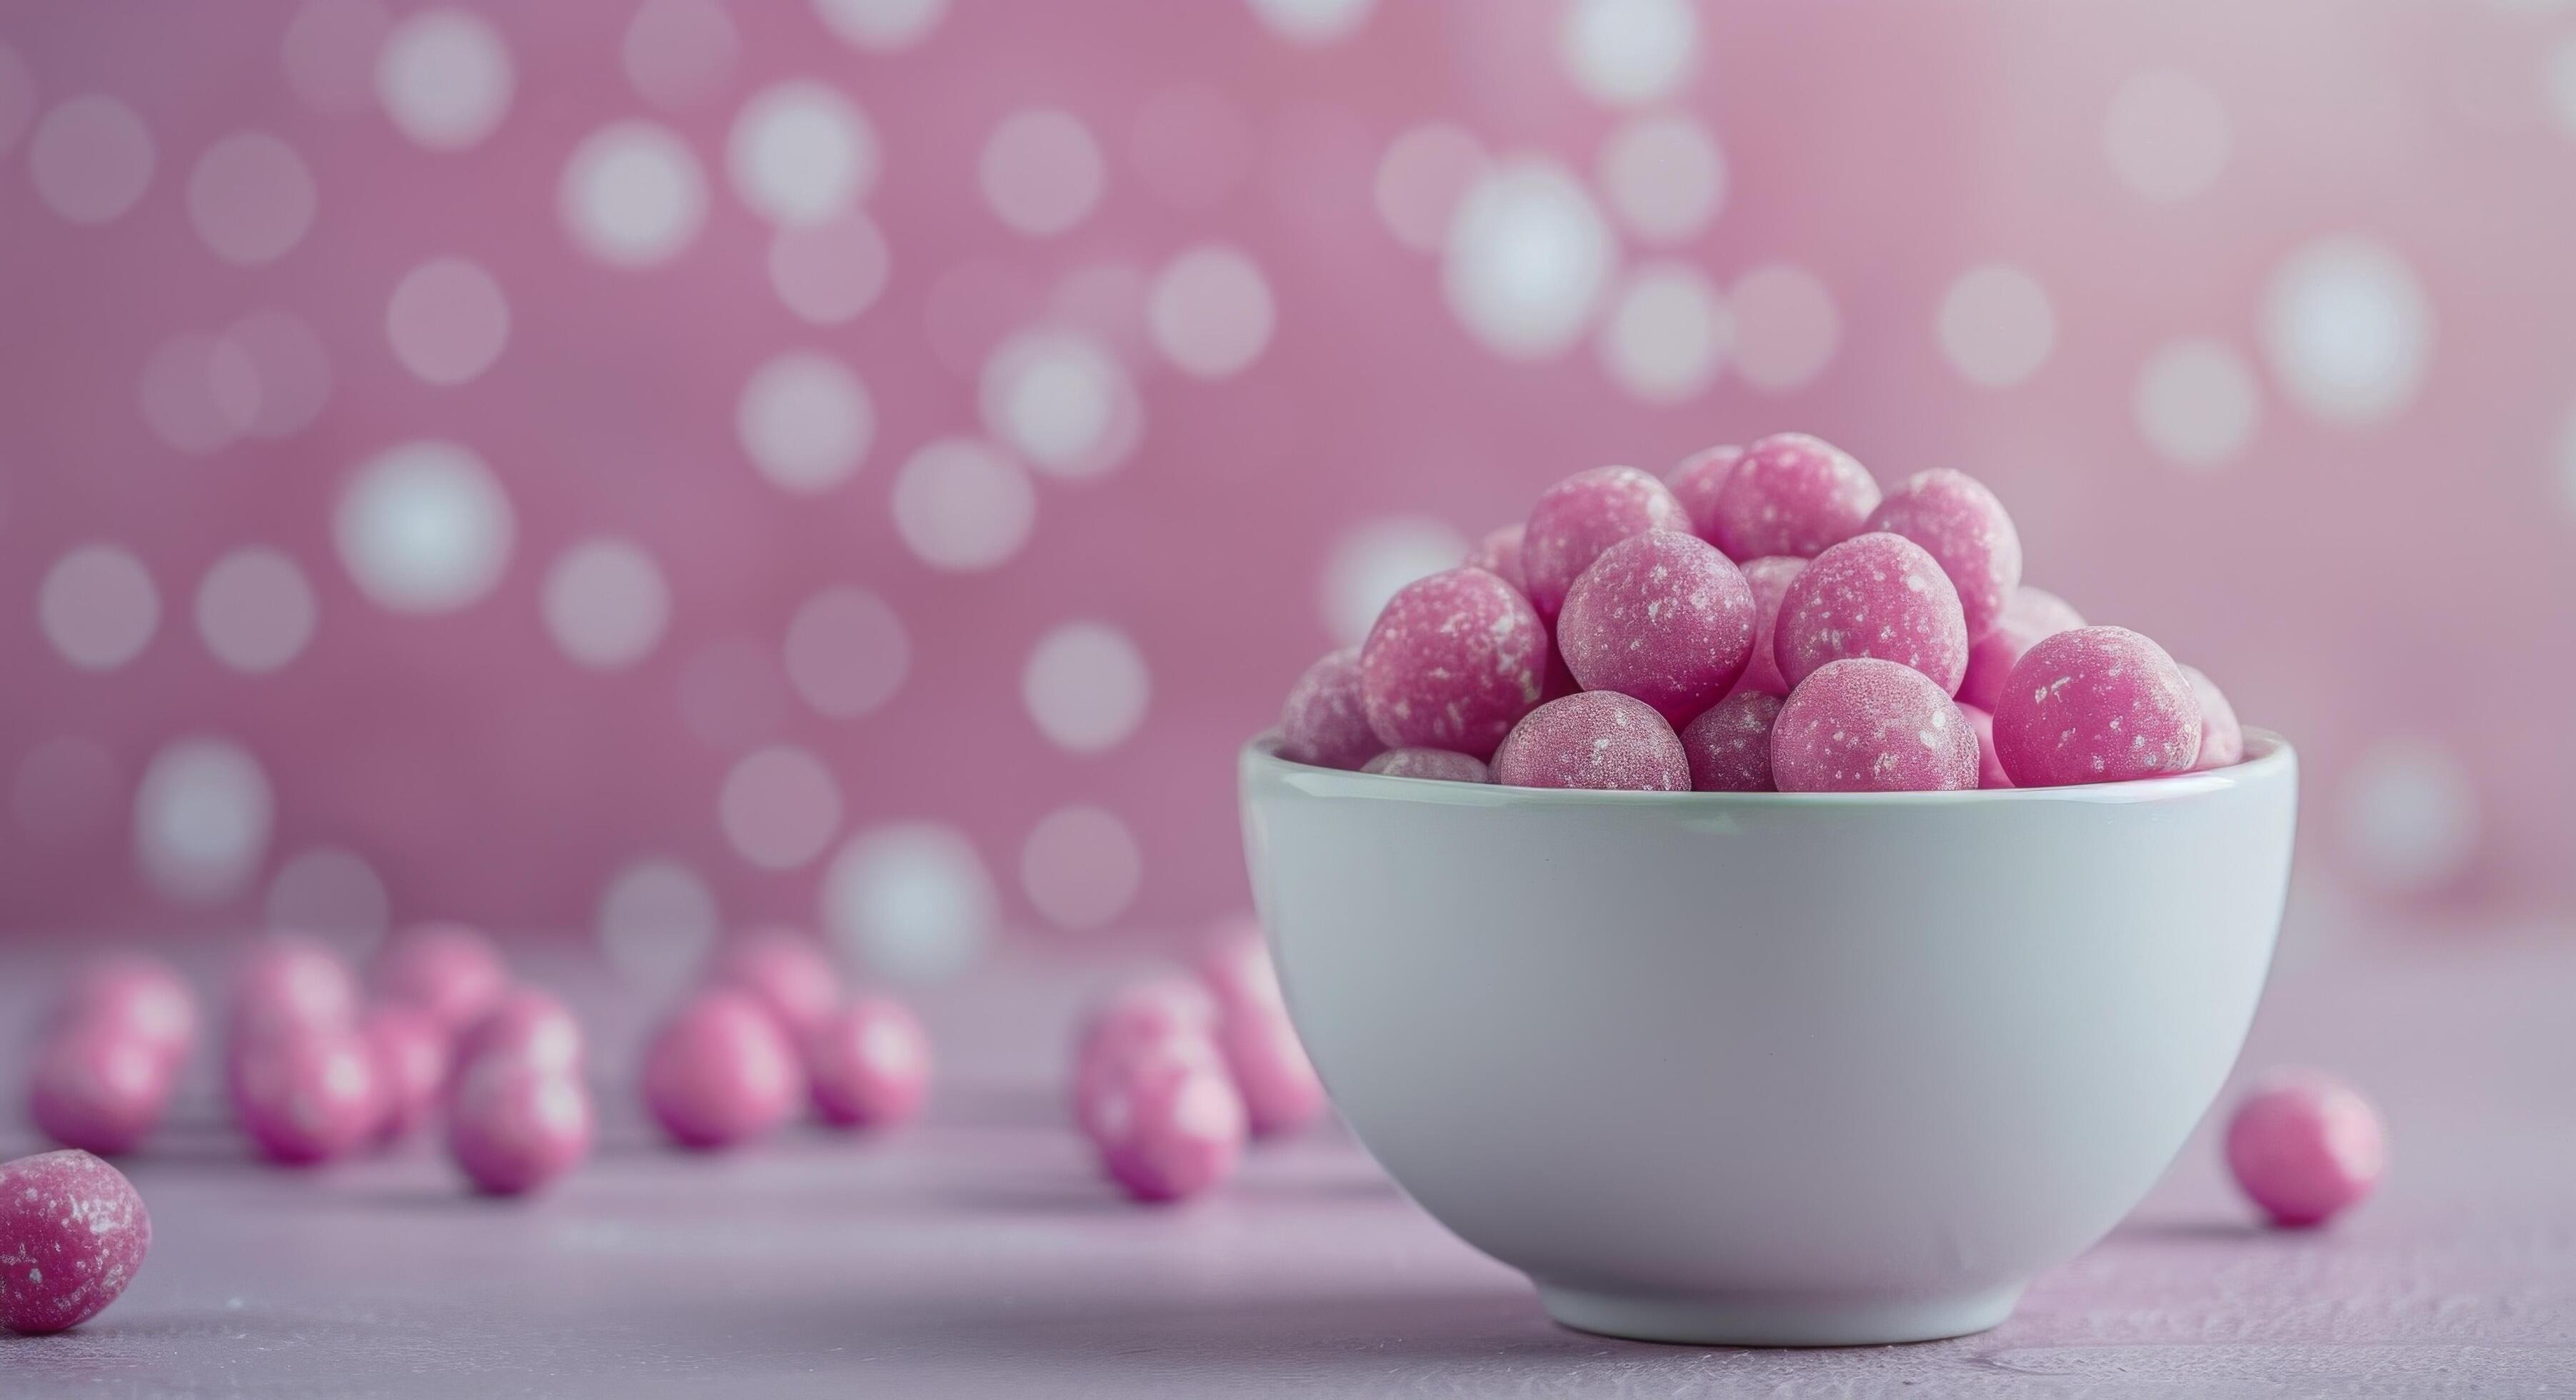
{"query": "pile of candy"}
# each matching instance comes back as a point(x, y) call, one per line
point(1761, 619)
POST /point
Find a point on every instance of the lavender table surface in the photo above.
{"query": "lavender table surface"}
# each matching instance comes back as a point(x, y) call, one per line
point(978, 1253)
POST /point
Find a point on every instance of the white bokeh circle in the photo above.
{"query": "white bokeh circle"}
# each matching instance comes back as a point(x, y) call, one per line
point(2166, 135)
point(445, 78)
point(98, 606)
point(1527, 260)
point(91, 159)
point(1627, 53)
point(2197, 402)
point(1041, 171)
point(805, 421)
point(424, 527)
point(847, 652)
point(1662, 176)
point(1996, 327)
point(1313, 21)
point(255, 610)
point(1062, 401)
point(1086, 686)
point(632, 195)
point(1081, 867)
point(1666, 334)
point(2348, 329)
point(909, 900)
point(1373, 559)
point(881, 26)
point(202, 817)
point(448, 320)
point(606, 603)
point(962, 506)
point(1211, 312)
point(1786, 327)
point(251, 198)
point(779, 807)
point(800, 153)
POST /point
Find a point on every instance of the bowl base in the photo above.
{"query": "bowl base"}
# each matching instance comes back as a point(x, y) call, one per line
point(1753, 1320)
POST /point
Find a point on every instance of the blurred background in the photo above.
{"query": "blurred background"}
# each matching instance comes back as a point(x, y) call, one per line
point(614, 472)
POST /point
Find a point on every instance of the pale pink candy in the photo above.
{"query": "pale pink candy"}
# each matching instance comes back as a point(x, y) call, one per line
point(1867, 725)
point(411, 1065)
point(2032, 614)
point(1453, 663)
point(786, 971)
point(2305, 1147)
point(138, 996)
point(288, 982)
point(2095, 705)
point(1875, 595)
point(1792, 494)
point(1149, 1015)
point(868, 1064)
point(515, 1126)
point(1581, 516)
point(1100, 1075)
point(1281, 1093)
point(1696, 482)
point(1768, 578)
point(307, 1094)
point(1437, 764)
point(1990, 765)
point(1499, 553)
point(720, 1071)
point(72, 1234)
point(448, 970)
point(1325, 721)
point(2222, 739)
point(529, 1023)
point(1729, 745)
point(1964, 528)
point(1170, 1125)
point(1662, 617)
point(1598, 739)
point(99, 1087)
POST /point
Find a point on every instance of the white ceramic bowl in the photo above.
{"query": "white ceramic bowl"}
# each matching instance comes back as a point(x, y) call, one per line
point(1773, 1069)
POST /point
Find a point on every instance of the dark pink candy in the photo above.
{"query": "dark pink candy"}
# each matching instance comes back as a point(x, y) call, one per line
point(1696, 482)
point(2222, 738)
point(2031, 614)
point(1964, 528)
point(1867, 725)
point(307, 1094)
point(1453, 663)
point(1325, 721)
point(721, 1071)
point(1598, 739)
point(868, 1064)
point(99, 1087)
point(1499, 554)
point(1768, 578)
point(516, 1126)
point(1581, 516)
point(1729, 745)
point(1792, 494)
point(1663, 617)
point(1438, 764)
point(1877, 595)
point(2095, 705)
point(72, 1234)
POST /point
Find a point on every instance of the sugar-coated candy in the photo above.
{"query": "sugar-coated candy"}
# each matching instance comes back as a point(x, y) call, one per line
point(2222, 739)
point(1871, 725)
point(1965, 530)
point(1792, 494)
point(1662, 617)
point(515, 1126)
point(1768, 579)
point(1149, 1015)
point(1454, 661)
point(411, 1051)
point(720, 1071)
point(138, 996)
point(99, 1087)
point(72, 1234)
point(2095, 705)
point(1729, 745)
point(1581, 516)
point(289, 982)
point(1875, 595)
point(1598, 739)
point(1499, 554)
point(1438, 764)
point(1325, 721)
point(868, 1064)
point(448, 970)
point(307, 1094)
point(1281, 1093)
point(785, 970)
point(2032, 613)
point(1696, 482)
point(2305, 1147)
point(1990, 765)
point(1170, 1125)
point(530, 1023)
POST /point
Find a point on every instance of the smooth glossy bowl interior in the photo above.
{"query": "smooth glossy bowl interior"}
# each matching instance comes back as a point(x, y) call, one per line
point(1802, 1069)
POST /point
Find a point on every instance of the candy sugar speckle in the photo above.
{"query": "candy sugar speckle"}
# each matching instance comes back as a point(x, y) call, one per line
point(1438, 764)
point(1792, 494)
point(1581, 516)
point(1876, 595)
point(1325, 721)
point(1454, 661)
point(1729, 745)
point(1870, 725)
point(1598, 739)
point(1662, 617)
point(1964, 528)
point(2095, 705)
point(73, 1232)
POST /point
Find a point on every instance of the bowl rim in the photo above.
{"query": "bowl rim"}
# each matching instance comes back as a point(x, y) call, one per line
point(2268, 756)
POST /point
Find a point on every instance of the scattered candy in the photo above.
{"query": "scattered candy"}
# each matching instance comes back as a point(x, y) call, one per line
point(784, 970)
point(1875, 595)
point(1281, 1093)
point(448, 970)
point(288, 982)
point(2032, 614)
point(1990, 765)
point(1662, 617)
point(411, 1066)
point(1598, 739)
point(1170, 1126)
point(2222, 739)
point(1454, 661)
point(527, 1023)
point(1325, 721)
point(99, 1086)
point(72, 1234)
point(1152, 1015)
point(306, 1094)
point(136, 995)
point(1792, 494)
point(1729, 745)
point(515, 1126)
point(1438, 764)
point(868, 1064)
point(1769, 580)
point(1696, 482)
point(720, 1071)
point(2095, 705)
point(2305, 1147)
point(1871, 725)
point(1963, 527)
point(1499, 553)
point(1581, 516)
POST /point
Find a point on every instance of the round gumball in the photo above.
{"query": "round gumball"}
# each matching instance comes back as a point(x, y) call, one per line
point(1170, 1125)
point(1868, 725)
point(1792, 494)
point(1729, 745)
point(1990, 765)
point(1159, 1011)
point(1581, 516)
point(1963, 527)
point(411, 1065)
point(2305, 1147)
point(1662, 617)
point(1440, 765)
point(529, 1024)
point(72, 1234)
point(2031, 614)
point(784, 970)
point(1696, 482)
point(868, 1064)
point(514, 1127)
point(1875, 595)
point(1499, 554)
point(447, 970)
point(1768, 579)
point(288, 982)
point(720, 1071)
point(1598, 739)
point(136, 995)
point(1325, 721)
point(1281, 1093)
point(2222, 739)
point(307, 1095)
point(2095, 705)
point(99, 1088)
point(1454, 661)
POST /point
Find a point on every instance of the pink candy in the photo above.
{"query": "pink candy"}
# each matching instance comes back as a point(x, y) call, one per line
point(1169, 1125)
point(1499, 554)
point(1870, 725)
point(1875, 595)
point(529, 1024)
point(306, 1094)
point(784, 970)
point(1990, 765)
point(1149, 1016)
point(1579, 517)
point(288, 982)
point(410, 1050)
point(1281, 1093)
point(1696, 482)
point(99, 1087)
point(1662, 617)
point(868, 1064)
point(2031, 614)
point(1769, 579)
point(1963, 527)
point(2095, 705)
point(1729, 745)
point(1325, 721)
point(1454, 661)
point(136, 996)
point(1791, 494)
point(1598, 739)
point(1438, 764)
point(515, 1126)
point(72, 1234)
point(720, 1071)
point(2305, 1147)
point(2222, 739)
point(447, 970)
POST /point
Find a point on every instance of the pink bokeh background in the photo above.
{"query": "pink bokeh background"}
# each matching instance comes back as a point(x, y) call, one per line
point(2348, 499)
